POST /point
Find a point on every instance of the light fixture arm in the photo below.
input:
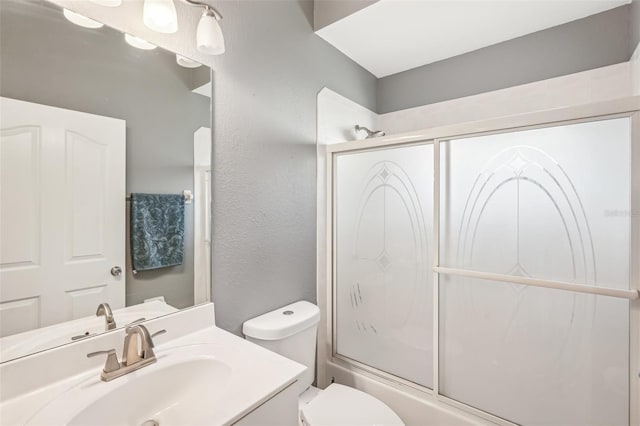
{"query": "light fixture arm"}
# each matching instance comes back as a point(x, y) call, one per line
point(209, 10)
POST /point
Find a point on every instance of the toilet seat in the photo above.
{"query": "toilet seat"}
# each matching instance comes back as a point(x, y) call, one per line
point(343, 405)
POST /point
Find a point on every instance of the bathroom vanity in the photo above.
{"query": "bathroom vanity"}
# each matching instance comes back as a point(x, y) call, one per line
point(203, 375)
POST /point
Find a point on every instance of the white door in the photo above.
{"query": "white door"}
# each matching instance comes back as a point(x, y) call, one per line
point(62, 213)
point(202, 215)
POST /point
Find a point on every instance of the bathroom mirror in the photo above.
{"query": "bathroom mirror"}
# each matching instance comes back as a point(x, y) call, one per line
point(89, 121)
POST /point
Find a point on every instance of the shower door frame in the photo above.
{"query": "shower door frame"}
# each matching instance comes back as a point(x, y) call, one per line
point(624, 107)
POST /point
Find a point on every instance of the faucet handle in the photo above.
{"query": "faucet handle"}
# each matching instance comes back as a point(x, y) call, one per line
point(136, 322)
point(159, 332)
point(111, 364)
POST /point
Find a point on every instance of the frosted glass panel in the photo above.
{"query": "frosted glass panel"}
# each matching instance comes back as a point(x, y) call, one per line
point(534, 356)
point(383, 225)
point(549, 203)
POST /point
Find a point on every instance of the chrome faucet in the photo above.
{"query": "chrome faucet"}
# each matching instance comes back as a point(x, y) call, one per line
point(137, 353)
point(105, 310)
point(138, 346)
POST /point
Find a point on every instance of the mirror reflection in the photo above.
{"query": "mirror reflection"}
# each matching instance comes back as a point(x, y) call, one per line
point(105, 164)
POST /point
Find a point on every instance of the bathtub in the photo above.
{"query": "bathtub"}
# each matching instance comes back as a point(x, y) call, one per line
point(416, 408)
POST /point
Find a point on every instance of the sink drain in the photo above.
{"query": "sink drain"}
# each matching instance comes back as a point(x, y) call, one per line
point(150, 422)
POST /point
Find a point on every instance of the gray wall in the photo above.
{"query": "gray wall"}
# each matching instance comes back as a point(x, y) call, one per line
point(264, 188)
point(326, 12)
point(593, 42)
point(46, 59)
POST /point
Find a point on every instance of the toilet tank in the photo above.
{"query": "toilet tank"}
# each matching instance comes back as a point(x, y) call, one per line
point(291, 332)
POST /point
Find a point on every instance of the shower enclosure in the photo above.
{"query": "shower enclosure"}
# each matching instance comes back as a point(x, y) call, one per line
point(494, 266)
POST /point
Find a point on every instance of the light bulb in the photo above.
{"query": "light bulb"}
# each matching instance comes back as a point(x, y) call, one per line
point(160, 16)
point(138, 42)
point(186, 62)
point(108, 3)
point(81, 20)
point(209, 37)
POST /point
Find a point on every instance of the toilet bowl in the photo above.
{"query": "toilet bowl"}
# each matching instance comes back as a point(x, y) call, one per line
point(291, 332)
point(344, 405)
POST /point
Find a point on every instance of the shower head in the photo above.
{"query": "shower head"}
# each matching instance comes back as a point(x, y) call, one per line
point(370, 133)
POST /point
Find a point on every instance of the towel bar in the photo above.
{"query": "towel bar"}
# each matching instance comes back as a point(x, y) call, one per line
point(188, 196)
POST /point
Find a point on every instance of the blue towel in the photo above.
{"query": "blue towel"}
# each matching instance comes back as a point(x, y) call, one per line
point(157, 230)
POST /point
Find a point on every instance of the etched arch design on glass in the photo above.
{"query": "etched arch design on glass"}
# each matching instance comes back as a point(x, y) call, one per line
point(523, 207)
point(390, 255)
point(521, 178)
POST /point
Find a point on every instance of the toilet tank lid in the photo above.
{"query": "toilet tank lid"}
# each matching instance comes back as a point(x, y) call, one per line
point(282, 322)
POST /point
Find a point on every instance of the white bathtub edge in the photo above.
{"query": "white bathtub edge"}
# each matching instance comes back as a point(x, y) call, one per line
point(414, 409)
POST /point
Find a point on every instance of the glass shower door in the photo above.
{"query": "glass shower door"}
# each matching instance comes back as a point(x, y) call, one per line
point(534, 269)
point(552, 204)
point(383, 224)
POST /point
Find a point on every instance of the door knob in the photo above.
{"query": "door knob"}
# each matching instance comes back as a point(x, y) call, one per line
point(116, 271)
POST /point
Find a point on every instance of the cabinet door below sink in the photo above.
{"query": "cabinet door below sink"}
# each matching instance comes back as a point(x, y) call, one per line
point(280, 410)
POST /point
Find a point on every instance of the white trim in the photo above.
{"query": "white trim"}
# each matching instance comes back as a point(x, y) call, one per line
point(323, 226)
point(559, 285)
point(388, 377)
point(436, 261)
point(415, 407)
point(473, 410)
point(508, 123)
point(415, 389)
point(331, 272)
point(634, 306)
point(636, 54)
point(202, 215)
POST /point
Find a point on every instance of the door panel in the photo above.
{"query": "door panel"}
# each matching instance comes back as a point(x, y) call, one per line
point(20, 160)
point(86, 190)
point(82, 302)
point(20, 315)
point(63, 213)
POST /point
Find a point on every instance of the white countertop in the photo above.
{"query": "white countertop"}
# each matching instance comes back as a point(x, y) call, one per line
point(256, 375)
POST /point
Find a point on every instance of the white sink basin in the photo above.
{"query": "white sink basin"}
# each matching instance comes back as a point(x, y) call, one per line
point(203, 375)
point(177, 390)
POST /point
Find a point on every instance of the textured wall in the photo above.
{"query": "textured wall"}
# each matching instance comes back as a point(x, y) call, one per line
point(264, 238)
point(46, 59)
point(593, 42)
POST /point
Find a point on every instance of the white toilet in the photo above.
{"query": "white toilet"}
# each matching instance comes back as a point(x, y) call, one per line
point(291, 332)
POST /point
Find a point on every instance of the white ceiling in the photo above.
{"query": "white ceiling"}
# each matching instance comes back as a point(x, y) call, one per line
point(391, 36)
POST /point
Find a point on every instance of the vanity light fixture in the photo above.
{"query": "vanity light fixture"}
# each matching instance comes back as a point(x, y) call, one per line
point(186, 62)
point(209, 37)
point(138, 42)
point(81, 20)
point(108, 3)
point(160, 16)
